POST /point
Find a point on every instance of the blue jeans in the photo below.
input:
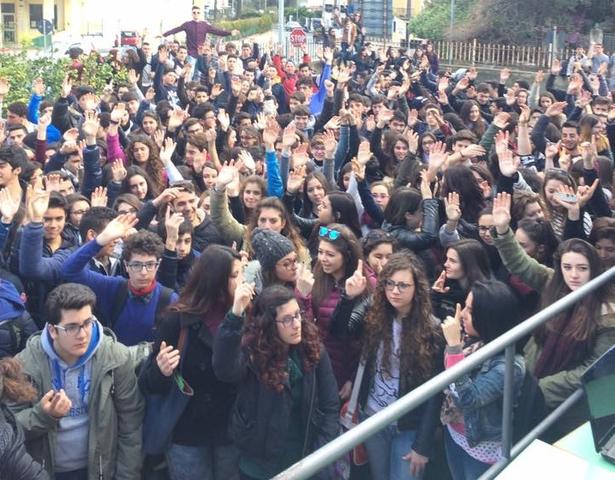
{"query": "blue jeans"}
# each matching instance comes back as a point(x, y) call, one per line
point(461, 464)
point(196, 75)
point(385, 450)
point(204, 462)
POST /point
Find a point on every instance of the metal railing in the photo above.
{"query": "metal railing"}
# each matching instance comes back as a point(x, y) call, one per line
point(333, 450)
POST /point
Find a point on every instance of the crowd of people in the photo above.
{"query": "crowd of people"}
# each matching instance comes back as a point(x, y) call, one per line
point(229, 245)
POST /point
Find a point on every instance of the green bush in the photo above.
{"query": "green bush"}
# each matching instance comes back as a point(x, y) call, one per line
point(20, 71)
point(249, 26)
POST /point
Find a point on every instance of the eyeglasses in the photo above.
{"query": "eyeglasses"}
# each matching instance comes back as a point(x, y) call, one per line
point(74, 330)
point(127, 210)
point(288, 320)
point(138, 266)
point(289, 264)
point(390, 285)
point(78, 212)
point(329, 233)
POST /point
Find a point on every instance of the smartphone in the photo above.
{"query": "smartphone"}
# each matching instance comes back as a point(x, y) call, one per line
point(567, 197)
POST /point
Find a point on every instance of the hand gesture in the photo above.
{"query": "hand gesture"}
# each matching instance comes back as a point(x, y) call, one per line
point(501, 120)
point(300, 156)
point(38, 87)
point(540, 76)
point(247, 160)
point(56, 404)
point(501, 212)
point(71, 135)
point(38, 204)
point(473, 151)
point(357, 282)
point(90, 125)
point(556, 67)
point(451, 204)
point(52, 182)
point(439, 285)
point(462, 84)
point(235, 86)
point(216, 90)
point(585, 193)
point(331, 143)
point(370, 123)
point(505, 75)
point(524, 118)
point(99, 197)
point(118, 171)
point(4, 87)
point(385, 115)
point(167, 150)
point(552, 149)
point(358, 169)
point(167, 359)
point(425, 186)
point(9, 206)
point(417, 461)
point(118, 112)
point(364, 153)
point(327, 55)
point(117, 228)
point(330, 87)
point(176, 118)
point(288, 136)
point(305, 280)
point(224, 120)
point(451, 328)
point(437, 156)
point(588, 153)
point(172, 221)
point(261, 121)
point(132, 76)
point(226, 175)
point(150, 94)
point(244, 294)
point(271, 133)
point(555, 109)
point(210, 135)
point(334, 123)
point(296, 178)
point(413, 141)
point(67, 87)
point(507, 162)
point(44, 121)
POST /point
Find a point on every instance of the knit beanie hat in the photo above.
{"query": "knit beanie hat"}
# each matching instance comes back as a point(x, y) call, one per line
point(270, 247)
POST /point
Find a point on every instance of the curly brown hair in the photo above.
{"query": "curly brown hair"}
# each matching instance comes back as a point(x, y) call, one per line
point(153, 165)
point(420, 337)
point(266, 350)
point(14, 386)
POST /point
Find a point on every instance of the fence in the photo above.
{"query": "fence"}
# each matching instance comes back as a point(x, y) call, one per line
point(335, 449)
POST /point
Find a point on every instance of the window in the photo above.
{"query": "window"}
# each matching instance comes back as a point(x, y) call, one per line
point(36, 15)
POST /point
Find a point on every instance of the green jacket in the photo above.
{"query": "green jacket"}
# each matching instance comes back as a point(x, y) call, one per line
point(557, 387)
point(116, 411)
point(230, 229)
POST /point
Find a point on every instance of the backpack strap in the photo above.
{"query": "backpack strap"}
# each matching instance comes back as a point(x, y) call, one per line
point(181, 347)
point(119, 302)
point(163, 302)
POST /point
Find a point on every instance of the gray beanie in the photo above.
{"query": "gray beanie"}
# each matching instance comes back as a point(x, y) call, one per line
point(270, 247)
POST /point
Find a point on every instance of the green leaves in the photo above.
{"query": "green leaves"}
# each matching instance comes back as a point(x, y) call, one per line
point(21, 71)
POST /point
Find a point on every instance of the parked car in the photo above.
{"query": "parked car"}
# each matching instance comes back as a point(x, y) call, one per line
point(292, 24)
point(128, 38)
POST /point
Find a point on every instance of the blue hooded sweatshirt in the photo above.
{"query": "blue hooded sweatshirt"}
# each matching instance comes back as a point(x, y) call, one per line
point(71, 448)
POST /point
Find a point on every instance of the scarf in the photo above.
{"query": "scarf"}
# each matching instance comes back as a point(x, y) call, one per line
point(143, 294)
point(560, 351)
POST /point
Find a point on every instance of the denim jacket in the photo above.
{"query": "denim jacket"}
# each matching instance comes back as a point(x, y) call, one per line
point(479, 396)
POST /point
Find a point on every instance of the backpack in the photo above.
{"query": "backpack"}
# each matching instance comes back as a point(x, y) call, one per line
point(14, 334)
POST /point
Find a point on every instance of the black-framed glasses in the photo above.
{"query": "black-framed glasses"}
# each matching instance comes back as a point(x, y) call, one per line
point(139, 266)
point(74, 330)
point(289, 320)
point(401, 286)
point(329, 233)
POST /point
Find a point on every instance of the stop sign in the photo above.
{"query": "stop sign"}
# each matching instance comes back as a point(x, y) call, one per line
point(298, 37)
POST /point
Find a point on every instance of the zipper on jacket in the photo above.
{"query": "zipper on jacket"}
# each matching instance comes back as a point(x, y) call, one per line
point(309, 419)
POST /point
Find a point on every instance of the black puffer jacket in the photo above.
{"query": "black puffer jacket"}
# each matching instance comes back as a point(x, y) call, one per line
point(261, 416)
point(15, 462)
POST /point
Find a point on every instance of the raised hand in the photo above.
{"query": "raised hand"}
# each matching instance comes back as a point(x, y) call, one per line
point(358, 169)
point(364, 153)
point(38, 87)
point(244, 294)
point(556, 67)
point(99, 197)
point(501, 120)
point(451, 204)
point(300, 156)
point(90, 125)
point(224, 119)
point(167, 359)
point(507, 162)
point(334, 123)
point(501, 212)
point(555, 109)
point(226, 175)
point(56, 404)
point(118, 112)
point(357, 282)
point(585, 193)
point(9, 206)
point(413, 141)
point(289, 137)
point(437, 156)
point(305, 280)
point(296, 178)
point(216, 90)
point(451, 328)
point(67, 87)
point(117, 228)
point(167, 150)
point(271, 133)
point(71, 135)
point(439, 285)
point(39, 203)
point(425, 185)
point(118, 171)
point(505, 75)
point(330, 144)
point(172, 221)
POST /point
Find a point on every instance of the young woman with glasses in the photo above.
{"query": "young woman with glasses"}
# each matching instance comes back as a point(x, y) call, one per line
point(402, 349)
point(287, 403)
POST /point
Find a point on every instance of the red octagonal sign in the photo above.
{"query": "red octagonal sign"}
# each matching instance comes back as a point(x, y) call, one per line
point(298, 37)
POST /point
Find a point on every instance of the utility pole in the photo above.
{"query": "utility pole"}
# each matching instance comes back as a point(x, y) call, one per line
point(450, 50)
point(281, 24)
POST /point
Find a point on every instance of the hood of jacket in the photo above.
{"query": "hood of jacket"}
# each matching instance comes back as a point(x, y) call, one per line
point(11, 303)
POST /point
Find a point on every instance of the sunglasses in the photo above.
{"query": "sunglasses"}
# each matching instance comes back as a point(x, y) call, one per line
point(329, 233)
